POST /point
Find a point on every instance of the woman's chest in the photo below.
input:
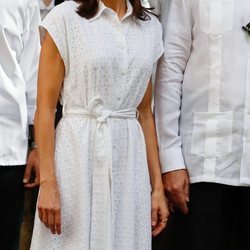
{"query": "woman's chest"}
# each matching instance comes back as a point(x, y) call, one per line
point(110, 43)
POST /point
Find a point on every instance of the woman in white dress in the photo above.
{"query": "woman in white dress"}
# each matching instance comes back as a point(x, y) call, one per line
point(100, 182)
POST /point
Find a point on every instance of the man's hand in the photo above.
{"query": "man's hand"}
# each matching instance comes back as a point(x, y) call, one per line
point(176, 185)
point(31, 166)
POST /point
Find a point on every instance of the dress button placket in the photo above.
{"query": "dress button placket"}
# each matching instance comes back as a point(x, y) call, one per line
point(122, 45)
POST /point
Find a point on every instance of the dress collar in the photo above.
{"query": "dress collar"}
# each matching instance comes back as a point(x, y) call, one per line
point(102, 8)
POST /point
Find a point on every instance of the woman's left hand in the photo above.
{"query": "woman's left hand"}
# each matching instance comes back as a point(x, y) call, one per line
point(159, 211)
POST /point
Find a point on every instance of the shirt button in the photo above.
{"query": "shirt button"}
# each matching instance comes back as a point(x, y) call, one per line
point(118, 98)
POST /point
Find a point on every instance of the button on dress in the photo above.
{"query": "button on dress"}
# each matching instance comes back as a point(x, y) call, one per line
point(100, 153)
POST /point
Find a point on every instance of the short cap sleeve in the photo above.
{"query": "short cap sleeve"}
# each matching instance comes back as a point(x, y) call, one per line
point(55, 25)
point(157, 40)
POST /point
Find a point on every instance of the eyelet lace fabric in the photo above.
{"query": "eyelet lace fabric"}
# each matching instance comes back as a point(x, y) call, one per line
point(100, 153)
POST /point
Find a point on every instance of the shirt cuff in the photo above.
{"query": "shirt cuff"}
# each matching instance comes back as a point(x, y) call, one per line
point(171, 160)
point(31, 114)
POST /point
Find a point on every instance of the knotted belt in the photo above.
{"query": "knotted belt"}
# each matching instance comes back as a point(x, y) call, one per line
point(101, 235)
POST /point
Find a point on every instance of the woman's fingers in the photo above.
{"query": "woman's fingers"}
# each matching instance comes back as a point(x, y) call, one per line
point(160, 227)
point(163, 214)
point(51, 221)
point(40, 214)
point(51, 218)
point(161, 224)
point(45, 217)
point(58, 222)
point(154, 217)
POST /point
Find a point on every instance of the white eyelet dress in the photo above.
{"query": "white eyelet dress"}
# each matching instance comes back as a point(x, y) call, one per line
point(100, 153)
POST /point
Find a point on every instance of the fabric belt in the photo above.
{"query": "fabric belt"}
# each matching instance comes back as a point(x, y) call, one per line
point(102, 223)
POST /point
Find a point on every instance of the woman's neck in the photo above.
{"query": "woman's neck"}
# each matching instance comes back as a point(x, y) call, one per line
point(119, 6)
point(47, 2)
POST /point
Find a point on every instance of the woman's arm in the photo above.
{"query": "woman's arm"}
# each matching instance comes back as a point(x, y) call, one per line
point(159, 207)
point(50, 78)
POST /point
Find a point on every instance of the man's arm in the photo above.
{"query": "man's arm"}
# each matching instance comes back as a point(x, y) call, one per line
point(29, 66)
point(159, 7)
point(30, 56)
point(168, 94)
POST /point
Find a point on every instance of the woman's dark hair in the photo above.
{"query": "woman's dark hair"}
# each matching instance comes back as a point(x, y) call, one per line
point(89, 8)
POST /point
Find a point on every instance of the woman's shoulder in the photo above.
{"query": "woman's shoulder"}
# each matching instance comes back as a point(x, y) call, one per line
point(64, 9)
point(152, 22)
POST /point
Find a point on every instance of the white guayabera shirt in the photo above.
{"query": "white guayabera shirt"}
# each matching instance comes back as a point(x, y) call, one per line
point(202, 99)
point(19, 52)
point(159, 6)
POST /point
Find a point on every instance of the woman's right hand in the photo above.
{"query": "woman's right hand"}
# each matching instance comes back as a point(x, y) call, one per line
point(49, 206)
